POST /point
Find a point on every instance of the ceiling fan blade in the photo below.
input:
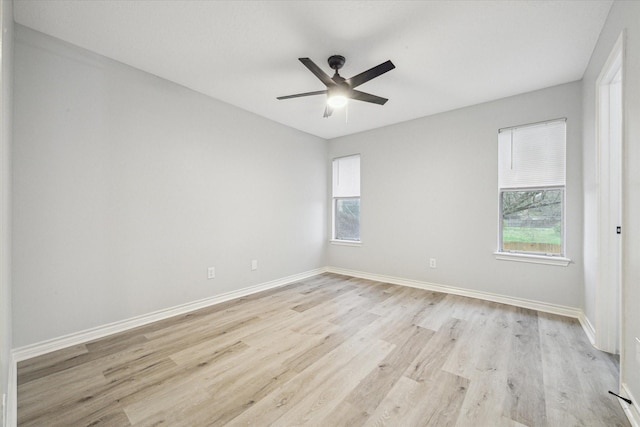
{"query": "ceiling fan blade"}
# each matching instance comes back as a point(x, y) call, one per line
point(327, 111)
point(371, 73)
point(324, 77)
point(367, 97)
point(298, 95)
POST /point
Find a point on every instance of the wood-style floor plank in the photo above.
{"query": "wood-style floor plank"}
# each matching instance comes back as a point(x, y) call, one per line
point(377, 384)
point(335, 366)
point(483, 403)
point(572, 367)
point(331, 351)
point(525, 398)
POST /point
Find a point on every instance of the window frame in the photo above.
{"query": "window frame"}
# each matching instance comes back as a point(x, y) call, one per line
point(527, 256)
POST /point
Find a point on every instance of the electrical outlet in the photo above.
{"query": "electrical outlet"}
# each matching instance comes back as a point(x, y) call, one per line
point(432, 262)
point(254, 264)
point(211, 273)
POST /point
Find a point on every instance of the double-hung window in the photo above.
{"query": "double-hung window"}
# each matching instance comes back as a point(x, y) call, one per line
point(346, 199)
point(531, 181)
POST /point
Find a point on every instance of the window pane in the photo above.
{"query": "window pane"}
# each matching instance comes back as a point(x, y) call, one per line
point(347, 219)
point(532, 221)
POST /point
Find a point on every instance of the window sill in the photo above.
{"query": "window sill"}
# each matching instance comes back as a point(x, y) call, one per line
point(345, 242)
point(534, 259)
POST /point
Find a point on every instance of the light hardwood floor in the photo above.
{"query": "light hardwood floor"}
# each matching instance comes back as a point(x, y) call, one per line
point(331, 351)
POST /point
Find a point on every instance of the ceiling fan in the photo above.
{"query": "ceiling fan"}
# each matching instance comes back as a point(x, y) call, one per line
point(340, 89)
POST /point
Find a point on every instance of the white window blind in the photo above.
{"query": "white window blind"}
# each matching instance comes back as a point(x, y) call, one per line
point(532, 156)
point(346, 176)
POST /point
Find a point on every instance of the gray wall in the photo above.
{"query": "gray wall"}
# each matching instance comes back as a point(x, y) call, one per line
point(624, 15)
point(6, 76)
point(127, 187)
point(429, 190)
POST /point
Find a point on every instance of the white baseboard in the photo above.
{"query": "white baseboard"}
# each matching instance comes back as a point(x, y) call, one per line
point(588, 328)
point(518, 302)
point(11, 408)
point(37, 349)
point(631, 411)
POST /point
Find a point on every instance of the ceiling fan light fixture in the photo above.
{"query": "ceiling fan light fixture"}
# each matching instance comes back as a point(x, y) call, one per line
point(337, 101)
point(337, 96)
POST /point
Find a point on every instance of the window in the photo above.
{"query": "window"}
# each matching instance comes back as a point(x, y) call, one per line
point(346, 198)
point(531, 185)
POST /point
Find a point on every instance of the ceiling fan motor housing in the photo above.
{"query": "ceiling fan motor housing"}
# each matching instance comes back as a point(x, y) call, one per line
point(336, 62)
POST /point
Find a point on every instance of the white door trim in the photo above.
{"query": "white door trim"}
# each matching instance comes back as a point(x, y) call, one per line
point(608, 319)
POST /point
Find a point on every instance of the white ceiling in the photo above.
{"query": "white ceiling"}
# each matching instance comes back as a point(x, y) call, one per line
point(448, 54)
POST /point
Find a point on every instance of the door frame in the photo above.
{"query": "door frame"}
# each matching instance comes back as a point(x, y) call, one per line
point(608, 307)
